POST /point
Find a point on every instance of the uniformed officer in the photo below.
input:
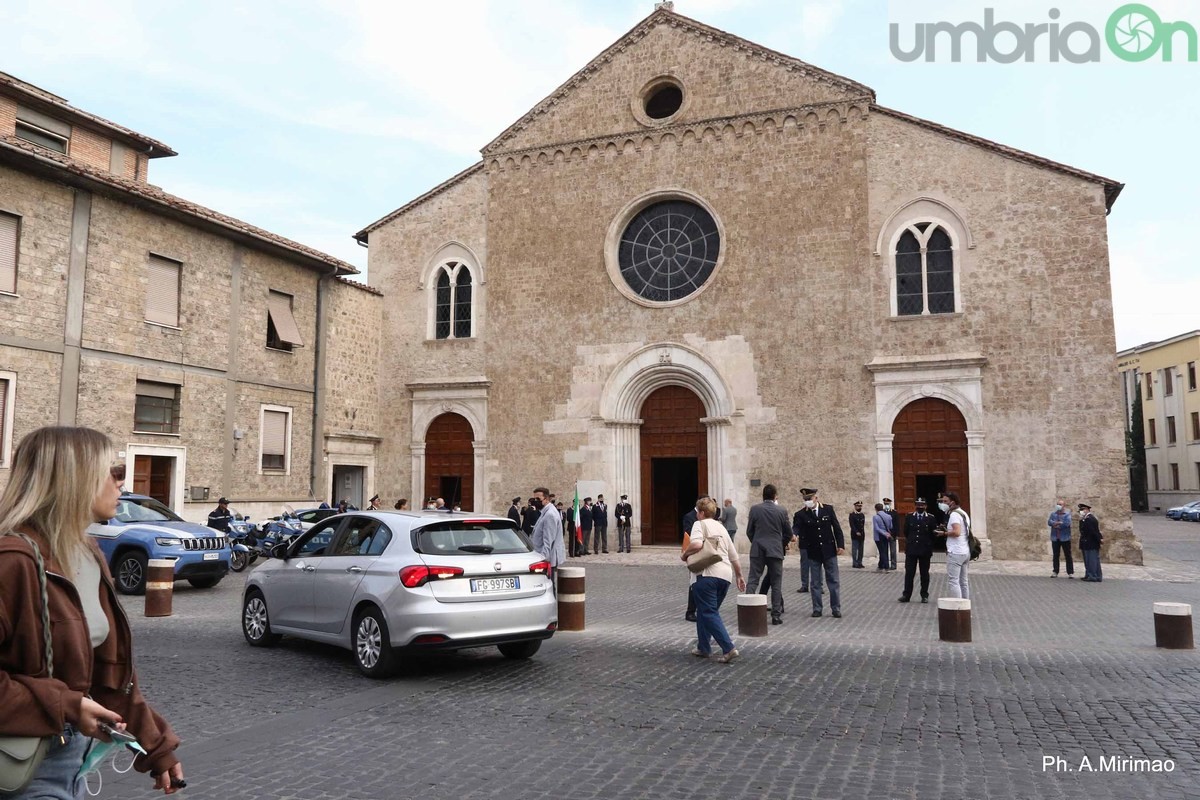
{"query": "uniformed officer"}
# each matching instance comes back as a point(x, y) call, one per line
point(821, 537)
point(918, 549)
point(624, 513)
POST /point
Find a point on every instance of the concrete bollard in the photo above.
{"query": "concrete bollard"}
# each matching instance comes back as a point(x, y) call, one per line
point(571, 598)
point(1173, 626)
point(160, 585)
point(752, 614)
point(954, 619)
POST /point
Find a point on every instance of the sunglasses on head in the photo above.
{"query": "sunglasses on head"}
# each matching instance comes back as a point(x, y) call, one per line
point(117, 471)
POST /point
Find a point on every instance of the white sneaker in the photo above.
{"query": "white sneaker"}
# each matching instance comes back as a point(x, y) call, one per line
point(725, 658)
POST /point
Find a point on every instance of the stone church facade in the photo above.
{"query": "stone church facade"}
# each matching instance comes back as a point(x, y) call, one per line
point(702, 266)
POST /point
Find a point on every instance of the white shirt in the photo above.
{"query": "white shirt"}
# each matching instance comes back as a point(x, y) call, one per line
point(958, 544)
point(723, 569)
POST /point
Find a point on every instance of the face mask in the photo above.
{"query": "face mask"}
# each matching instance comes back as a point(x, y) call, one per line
point(809, 503)
point(944, 507)
point(95, 757)
point(1058, 507)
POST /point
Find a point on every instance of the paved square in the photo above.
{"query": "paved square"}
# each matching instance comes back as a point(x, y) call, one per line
point(868, 706)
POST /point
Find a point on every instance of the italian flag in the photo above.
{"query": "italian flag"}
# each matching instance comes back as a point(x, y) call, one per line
point(578, 527)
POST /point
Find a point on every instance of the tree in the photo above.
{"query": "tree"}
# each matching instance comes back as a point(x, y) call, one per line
point(1135, 456)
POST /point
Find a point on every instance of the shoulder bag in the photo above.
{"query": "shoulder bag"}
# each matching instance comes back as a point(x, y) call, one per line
point(20, 756)
point(708, 554)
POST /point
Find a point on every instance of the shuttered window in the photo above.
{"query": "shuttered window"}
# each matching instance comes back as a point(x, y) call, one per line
point(10, 235)
point(40, 129)
point(156, 409)
point(282, 331)
point(4, 432)
point(275, 440)
point(162, 291)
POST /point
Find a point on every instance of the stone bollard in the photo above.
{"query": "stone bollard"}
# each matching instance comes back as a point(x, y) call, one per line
point(752, 614)
point(160, 585)
point(1173, 626)
point(571, 598)
point(954, 619)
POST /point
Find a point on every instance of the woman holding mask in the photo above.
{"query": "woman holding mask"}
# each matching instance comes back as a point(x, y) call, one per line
point(63, 480)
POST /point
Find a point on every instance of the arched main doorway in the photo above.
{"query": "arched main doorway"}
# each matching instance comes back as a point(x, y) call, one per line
point(674, 451)
point(450, 461)
point(929, 453)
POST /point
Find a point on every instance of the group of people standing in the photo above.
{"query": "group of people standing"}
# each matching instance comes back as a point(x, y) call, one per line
point(594, 517)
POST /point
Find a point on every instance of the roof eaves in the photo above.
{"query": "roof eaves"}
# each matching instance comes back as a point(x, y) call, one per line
point(359, 285)
point(666, 16)
point(363, 235)
point(48, 101)
point(1112, 188)
point(144, 194)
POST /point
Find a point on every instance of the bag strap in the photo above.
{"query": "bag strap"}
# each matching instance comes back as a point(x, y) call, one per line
point(41, 567)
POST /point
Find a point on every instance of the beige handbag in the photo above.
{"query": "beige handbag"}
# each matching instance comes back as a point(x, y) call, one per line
point(708, 554)
point(20, 756)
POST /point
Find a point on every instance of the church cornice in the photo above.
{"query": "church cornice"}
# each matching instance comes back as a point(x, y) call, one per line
point(665, 16)
point(812, 117)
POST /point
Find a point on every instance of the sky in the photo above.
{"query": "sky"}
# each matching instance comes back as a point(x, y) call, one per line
point(314, 118)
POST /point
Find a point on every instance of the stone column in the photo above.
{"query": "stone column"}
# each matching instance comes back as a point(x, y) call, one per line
point(480, 465)
point(627, 468)
point(883, 451)
point(718, 447)
point(418, 474)
point(976, 469)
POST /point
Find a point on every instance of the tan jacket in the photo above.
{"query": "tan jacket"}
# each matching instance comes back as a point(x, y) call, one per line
point(36, 705)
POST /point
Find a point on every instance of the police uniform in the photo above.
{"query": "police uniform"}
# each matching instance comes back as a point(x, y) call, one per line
point(918, 549)
point(624, 513)
point(821, 537)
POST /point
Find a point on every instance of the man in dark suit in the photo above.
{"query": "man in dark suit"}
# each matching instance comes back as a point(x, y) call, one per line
point(624, 522)
point(919, 532)
point(529, 517)
point(514, 511)
point(585, 522)
point(897, 532)
point(768, 530)
point(821, 535)
point(599, 525)
point(858, 535)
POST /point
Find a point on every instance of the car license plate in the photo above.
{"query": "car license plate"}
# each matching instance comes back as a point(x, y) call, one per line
point(495, 584)
point(211, 556)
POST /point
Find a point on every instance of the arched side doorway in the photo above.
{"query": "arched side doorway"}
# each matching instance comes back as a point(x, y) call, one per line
point(929, 453)
point(674, 456)
point(450, 461)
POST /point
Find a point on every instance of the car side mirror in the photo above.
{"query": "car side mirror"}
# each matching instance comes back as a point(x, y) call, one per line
point(280, 551)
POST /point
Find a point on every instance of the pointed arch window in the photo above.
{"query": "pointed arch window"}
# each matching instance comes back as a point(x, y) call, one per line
point(925, 263)
point(453, 317)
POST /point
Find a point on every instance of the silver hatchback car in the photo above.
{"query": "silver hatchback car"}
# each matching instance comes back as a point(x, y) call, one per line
point(382, 583)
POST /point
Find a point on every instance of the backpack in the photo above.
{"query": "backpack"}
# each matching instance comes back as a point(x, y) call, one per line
point(973, 544)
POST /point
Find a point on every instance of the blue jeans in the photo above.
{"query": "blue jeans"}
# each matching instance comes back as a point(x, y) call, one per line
point(882, 546)
point(815, 584)
point(58, 776)
point(710, 593)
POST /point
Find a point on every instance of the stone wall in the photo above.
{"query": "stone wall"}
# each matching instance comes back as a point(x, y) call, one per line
point(353, 360)
point(45, 237)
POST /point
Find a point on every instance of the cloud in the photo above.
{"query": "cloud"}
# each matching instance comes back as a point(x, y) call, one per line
point(1156, 290)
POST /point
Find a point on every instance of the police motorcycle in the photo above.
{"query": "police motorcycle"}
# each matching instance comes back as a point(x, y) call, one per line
point(243, 543)
point(278, 530)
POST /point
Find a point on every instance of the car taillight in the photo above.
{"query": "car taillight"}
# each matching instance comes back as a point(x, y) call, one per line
point(541, 567)
point(431, 638)
point(419, 574)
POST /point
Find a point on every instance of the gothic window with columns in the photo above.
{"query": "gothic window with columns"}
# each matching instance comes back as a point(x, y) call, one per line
point(453, 284)
point(924, 259)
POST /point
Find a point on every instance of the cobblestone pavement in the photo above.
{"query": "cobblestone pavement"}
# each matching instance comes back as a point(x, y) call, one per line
point(868, 706)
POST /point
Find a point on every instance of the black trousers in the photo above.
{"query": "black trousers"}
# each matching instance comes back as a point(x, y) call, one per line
point(911, 563)
point(1065, 547)
point(774, 569)
point(599, 537)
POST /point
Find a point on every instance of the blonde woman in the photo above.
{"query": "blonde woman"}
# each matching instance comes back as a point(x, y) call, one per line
point(62, 480)
point(713, 583)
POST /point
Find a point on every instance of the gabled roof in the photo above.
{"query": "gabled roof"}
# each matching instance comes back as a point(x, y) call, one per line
point(1112, 188)
point(663, 15)
point(41, 100)
point(31, 158)
point(363, 235)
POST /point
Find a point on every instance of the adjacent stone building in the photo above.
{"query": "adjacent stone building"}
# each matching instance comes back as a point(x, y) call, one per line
point(700, 266)
point(210, 350)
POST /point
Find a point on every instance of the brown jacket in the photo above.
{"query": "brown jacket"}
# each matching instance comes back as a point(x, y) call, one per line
point(36, 705)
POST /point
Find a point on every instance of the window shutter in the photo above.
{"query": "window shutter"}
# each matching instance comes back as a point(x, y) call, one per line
point(3, 412)
point(162, 291)
point(279, 307)
point(9, 228)
point(153, 389)
point(274, 433)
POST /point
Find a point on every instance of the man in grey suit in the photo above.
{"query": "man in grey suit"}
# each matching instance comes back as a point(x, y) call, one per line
point(729, 518)
point(769, 531)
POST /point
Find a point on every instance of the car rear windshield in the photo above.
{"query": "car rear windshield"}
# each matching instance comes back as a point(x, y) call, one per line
point(464, 537)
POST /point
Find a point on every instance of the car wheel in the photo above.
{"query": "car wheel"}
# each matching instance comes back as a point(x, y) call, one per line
point(131, 572)
point(256, 623)
point(372, 646)
point(238, 560)
point(520, 650)
point(204, 583)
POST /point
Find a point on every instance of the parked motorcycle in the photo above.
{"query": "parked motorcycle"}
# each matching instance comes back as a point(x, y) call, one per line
point(279, 530)
point(243, 542)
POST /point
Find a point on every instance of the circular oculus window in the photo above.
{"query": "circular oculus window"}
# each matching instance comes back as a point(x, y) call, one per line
point(669, 250)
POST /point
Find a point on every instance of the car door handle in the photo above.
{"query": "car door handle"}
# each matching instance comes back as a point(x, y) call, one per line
point(355, 570)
